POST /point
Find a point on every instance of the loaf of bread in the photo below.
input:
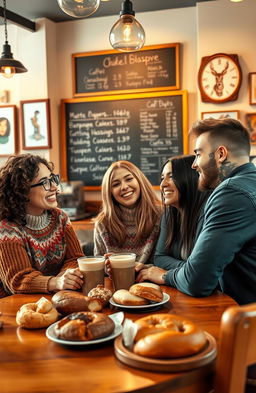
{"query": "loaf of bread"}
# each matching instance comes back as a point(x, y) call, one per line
point(67, 302)
point(84, 326)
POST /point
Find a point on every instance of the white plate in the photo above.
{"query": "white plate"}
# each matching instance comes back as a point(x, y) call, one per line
point(166, 299)
point(52, 336)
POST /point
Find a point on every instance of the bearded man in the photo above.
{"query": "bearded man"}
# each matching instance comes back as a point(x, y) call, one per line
point(224, 255)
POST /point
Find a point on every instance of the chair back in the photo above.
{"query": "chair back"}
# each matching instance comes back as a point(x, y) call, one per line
point(237, 348)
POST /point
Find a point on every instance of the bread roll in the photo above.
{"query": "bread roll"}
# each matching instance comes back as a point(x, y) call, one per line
point(147, 290)
point(67, 302)
point(36, 315)
point(101, 293)
point(124, 297)
point(84, 326)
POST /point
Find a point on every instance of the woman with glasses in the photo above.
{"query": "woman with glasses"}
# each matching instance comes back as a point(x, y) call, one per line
point(38, 247)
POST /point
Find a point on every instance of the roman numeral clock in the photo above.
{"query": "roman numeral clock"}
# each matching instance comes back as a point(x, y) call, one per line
point(219, 78)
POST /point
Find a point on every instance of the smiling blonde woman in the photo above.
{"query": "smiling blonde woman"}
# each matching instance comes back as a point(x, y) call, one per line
point(130, 214)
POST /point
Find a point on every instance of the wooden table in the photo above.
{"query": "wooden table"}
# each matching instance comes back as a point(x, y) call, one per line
point(29, 362)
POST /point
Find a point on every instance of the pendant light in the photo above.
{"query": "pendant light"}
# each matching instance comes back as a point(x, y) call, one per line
point(79, 8)
point(127, 34)
point(9, 66)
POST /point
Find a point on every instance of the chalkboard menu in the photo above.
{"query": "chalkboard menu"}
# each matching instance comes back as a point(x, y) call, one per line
point(111, 72)
point(145, 129)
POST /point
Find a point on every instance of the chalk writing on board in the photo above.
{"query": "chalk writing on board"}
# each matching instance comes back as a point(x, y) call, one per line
point(145, 130)
point(152, 68)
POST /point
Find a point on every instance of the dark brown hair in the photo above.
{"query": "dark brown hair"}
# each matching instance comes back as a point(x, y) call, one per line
point(16, 177)
point(182, 223)
point(229, 132)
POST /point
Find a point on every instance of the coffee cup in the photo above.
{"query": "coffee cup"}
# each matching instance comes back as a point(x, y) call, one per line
point(123, 270)
point(92, 269)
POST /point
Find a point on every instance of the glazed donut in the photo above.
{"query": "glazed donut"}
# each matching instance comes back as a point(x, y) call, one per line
point(126, 298)
point(36, 315)
point(167, 336)
point(67, 302)
point(147, 290)
point(84, 326)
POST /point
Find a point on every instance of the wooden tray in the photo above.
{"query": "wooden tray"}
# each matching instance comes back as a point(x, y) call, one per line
point(205, 356)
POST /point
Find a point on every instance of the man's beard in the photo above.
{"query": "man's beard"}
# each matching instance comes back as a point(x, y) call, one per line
point(209, 176)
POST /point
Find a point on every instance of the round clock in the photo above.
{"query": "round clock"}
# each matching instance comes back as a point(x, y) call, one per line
point(219, 78)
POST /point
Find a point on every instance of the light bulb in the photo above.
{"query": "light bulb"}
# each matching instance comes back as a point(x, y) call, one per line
point(127, 34)
point(7, 72)
point(79, 8)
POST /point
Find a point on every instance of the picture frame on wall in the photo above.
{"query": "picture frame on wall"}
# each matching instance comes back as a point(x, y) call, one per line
point(8, 130)
point(36, 124)
point(220, 115)
point(252, 88)
point(250, 119)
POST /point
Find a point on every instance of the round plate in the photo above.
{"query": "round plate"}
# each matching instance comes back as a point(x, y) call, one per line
point(166, 299)
point(205, 356)
point(52, 336)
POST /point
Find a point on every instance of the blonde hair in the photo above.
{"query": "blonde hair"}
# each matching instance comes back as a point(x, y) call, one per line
point(147, 208)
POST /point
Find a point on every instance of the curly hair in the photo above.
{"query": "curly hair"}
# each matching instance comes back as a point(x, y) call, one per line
point(16, 177)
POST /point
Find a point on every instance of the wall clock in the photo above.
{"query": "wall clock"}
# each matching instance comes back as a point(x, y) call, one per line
point(219, 78)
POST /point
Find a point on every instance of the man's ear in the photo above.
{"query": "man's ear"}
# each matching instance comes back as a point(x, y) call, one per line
point(222, 154)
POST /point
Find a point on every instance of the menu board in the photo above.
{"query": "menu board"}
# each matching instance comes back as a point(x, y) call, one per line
point(113, 72)
point(145, 129)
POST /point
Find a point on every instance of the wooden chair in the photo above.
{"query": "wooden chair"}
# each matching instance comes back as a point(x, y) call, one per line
point(237, 348)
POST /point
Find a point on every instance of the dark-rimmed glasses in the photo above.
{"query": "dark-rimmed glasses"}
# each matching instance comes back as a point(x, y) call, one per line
point(47, 183)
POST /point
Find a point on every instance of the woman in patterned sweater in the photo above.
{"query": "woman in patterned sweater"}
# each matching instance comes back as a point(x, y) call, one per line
point(38, 247)
point(130, 215)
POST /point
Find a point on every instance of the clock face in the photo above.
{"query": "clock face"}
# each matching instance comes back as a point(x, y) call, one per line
point(219, 78)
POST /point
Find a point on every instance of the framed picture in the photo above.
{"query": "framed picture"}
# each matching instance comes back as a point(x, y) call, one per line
point(36, 125)
point(252, 88)
point(220, 115)
point(250, 119)
point(8, 131)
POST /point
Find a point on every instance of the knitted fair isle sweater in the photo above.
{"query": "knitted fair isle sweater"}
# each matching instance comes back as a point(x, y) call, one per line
point(30, 255)
point(143, 248)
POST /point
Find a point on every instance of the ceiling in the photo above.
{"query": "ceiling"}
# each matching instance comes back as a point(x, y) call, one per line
point(33, 9)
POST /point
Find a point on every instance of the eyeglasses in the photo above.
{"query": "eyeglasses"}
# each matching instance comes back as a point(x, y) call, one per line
point(47, 183)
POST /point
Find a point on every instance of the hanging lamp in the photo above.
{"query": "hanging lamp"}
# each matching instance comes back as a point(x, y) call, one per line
point(79, 8)
point(127, 34)
point(9, 66)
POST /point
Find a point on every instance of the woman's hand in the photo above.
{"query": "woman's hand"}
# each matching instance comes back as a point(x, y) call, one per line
point(69, 279)
point(153, 274)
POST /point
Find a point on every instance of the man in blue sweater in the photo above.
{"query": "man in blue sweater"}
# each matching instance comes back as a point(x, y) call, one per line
point(224, 255)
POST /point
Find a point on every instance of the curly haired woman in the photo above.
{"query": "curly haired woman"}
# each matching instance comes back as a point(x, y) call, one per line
point(38, 246)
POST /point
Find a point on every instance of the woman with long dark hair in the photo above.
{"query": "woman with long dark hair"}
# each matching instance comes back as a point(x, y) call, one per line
point(182, 219)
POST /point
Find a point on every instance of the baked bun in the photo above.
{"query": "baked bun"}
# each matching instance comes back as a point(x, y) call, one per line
point(147, 290)
point(67, 302)
point(168, 336)
point(124, 297)
point(84, 326)
point(101, 293)
point(36, 315)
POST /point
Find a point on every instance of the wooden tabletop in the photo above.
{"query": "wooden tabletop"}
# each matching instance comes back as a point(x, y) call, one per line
point(31, 363)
